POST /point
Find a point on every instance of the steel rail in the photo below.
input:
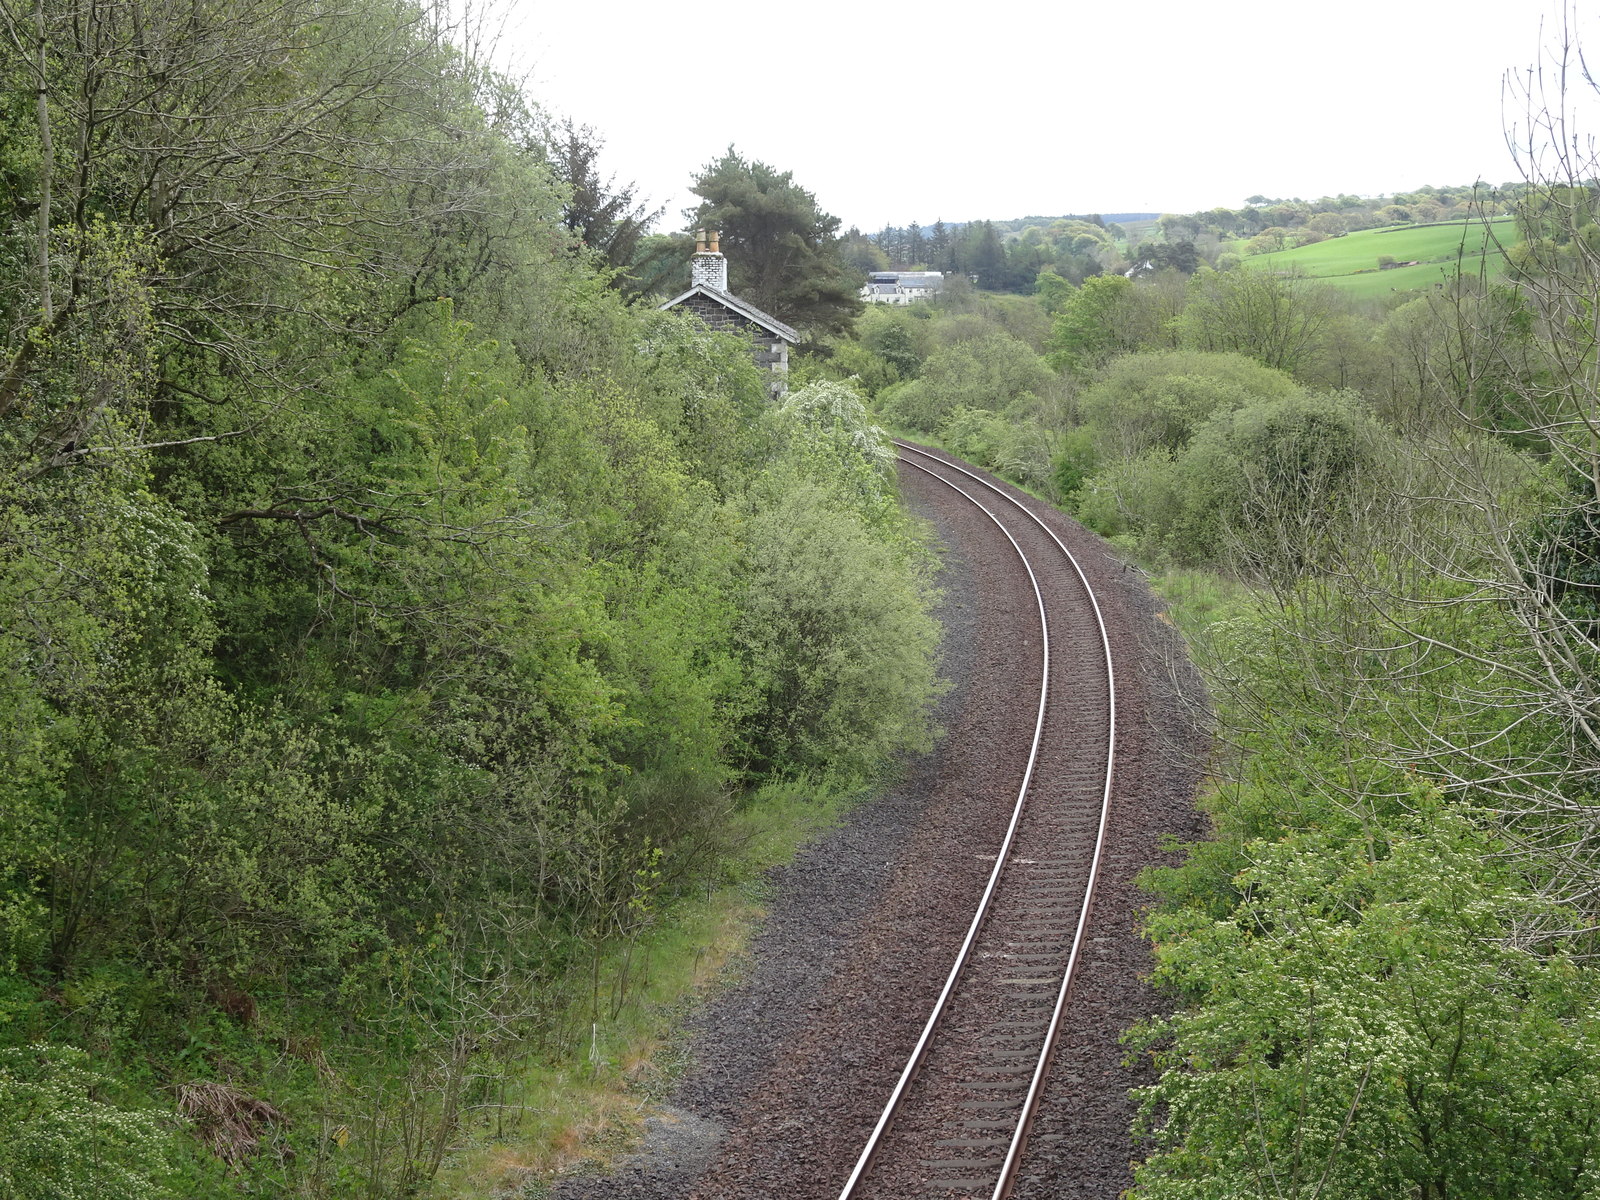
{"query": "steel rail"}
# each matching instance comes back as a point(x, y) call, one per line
point(1019, 1141)
point(1013, 1159)
point(849, 1192)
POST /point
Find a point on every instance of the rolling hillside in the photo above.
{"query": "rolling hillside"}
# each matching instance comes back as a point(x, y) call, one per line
point(1351, 262)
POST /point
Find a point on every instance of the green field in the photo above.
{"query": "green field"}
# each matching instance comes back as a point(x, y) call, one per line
point(1351, 262)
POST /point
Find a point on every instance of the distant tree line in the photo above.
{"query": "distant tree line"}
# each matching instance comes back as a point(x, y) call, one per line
point(1010, 256)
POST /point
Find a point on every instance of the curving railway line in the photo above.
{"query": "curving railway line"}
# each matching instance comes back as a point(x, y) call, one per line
point(958, 1119)
point(889, 1040)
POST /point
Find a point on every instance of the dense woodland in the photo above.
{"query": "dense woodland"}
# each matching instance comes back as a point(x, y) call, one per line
point(400, 614)
point(395, 619)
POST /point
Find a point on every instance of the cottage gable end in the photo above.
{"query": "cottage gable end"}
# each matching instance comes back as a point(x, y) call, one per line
point(710, 300)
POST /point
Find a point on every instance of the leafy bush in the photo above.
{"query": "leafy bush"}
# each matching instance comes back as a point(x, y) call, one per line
point(1271, 481)
point(1137, 496)
point(825, 429)
point(977, 436)
point(64, 1141)
point(1073, 464)
point(1367, 1027)
point(834, 634)
point(988, 373)
point(1158, 400)
point(895, 336)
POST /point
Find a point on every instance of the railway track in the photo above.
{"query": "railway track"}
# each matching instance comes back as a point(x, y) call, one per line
point(957, 1121)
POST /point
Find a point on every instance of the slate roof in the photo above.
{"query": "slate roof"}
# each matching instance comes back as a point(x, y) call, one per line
point(749, 311)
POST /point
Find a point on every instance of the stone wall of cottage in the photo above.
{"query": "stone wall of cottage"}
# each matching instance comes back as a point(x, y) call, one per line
point(770, 351)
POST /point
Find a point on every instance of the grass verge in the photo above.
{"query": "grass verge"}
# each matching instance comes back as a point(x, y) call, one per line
point(585, 1098)
point(1195, 599)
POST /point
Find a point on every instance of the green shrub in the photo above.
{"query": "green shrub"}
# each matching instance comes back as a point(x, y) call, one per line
point(1073, 464)
point(1270, 482)
point(987, 373)
point(1364, 1027)
point(1159, 399)
point(977, 436)
point(834, 634)
point(1136, 496)
point(63, 1141)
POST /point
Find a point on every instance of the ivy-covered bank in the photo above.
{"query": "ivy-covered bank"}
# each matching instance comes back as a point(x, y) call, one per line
point(391, 618)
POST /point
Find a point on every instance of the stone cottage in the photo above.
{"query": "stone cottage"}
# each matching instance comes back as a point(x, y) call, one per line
point(709, 299)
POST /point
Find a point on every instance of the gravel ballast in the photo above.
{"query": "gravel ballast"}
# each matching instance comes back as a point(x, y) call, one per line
point(789, 1066)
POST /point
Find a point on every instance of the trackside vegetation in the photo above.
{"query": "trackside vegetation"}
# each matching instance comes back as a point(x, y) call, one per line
point(413, 644)
point(1374, 518)
point(397, 627)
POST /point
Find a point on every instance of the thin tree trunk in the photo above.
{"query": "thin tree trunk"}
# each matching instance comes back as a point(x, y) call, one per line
point(46, 163)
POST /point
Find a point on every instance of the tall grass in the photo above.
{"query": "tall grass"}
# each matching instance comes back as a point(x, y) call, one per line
point(1196, 598)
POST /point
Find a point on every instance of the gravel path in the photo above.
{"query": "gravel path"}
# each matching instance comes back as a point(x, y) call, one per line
point(790, 1067)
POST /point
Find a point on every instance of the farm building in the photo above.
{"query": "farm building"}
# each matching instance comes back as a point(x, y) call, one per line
point(901, 287)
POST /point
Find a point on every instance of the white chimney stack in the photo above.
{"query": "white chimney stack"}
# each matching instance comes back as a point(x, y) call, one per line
point(708, 268)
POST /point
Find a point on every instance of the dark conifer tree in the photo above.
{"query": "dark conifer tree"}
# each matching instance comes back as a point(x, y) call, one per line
point(783, 250)
point(602, 215)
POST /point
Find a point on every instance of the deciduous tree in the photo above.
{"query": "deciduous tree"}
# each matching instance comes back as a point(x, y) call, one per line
point(1273, 319)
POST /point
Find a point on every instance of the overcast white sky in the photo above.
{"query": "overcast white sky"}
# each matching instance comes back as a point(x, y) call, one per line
point(893, 112)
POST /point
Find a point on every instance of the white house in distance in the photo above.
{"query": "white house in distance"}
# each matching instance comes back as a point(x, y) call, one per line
point(901, 287)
